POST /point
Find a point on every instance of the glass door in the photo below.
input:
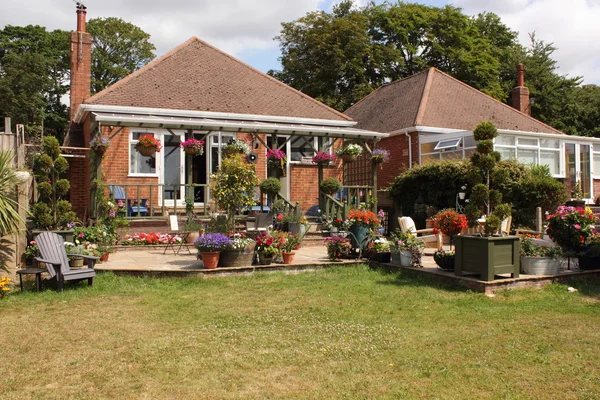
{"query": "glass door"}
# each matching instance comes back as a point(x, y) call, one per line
point(173, 168)
point(578, 168)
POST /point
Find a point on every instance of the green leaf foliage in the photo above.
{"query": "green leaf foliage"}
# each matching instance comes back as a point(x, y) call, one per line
point(9, 215)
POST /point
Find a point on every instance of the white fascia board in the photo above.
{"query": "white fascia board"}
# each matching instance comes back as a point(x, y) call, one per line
point(84, 108)
point(425, 129)
point(541, 135)
point(233, 126)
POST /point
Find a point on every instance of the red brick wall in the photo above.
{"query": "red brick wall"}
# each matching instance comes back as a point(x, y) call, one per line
point(596, 188)
point(399, 157)
point(304, 186)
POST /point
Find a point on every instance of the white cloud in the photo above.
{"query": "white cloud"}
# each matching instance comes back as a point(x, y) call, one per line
point(572, 26)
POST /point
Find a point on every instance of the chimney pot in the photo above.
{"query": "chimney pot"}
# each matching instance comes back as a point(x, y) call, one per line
point(81, 13)
point(520, 75)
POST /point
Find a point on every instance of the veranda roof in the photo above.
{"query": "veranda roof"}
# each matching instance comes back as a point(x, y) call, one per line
point(225, 122)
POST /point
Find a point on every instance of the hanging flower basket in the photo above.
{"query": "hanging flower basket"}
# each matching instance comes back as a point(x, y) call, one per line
point(380, 156)
point(323, 158)
point(349, 157)
point(146, 151)
point(350, 152)
point(148, 145)
point(193, 147)
point(99, 145)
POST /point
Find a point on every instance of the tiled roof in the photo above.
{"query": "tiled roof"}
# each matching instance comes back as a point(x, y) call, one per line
point(435, 99)
point(197, 76)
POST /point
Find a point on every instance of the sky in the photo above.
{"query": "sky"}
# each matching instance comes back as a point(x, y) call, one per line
point(246, 28)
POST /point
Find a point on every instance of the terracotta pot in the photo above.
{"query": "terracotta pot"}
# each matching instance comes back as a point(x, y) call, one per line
point(288, 258)
point(210, 259)
point(104, 257)
point(192, 237)
point(146, 151)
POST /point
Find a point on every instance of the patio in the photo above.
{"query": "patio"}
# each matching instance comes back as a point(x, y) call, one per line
point(151, 262)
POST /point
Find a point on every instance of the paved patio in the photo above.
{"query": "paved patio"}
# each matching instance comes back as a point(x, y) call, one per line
point(152, 262)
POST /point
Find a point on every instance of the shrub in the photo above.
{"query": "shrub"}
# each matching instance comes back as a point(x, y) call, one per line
point(330, 186)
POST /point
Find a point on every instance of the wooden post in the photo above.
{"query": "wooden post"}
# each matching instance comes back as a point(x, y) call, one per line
point(374, 180)
point(539, 222)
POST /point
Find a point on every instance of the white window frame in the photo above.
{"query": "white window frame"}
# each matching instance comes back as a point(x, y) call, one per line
point(307, 159)
point(595, 151)
point(434, 138)
point(130, 149)
point(538, 148)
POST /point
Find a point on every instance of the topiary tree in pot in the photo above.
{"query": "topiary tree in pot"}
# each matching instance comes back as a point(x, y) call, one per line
point(271, 187)
point(49, 168)
point(486, 254)
point(330, 186)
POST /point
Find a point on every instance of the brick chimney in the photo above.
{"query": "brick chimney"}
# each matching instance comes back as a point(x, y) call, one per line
point(81, 62)
point(520, 94)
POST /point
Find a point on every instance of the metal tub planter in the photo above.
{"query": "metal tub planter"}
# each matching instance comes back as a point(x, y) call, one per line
point(487, 256)
point(540, 266)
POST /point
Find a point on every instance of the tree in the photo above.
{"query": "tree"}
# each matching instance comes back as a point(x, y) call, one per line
point(119, 48)
point(342, 56)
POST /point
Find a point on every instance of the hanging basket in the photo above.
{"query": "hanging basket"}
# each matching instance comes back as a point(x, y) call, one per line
point(100, 150)
point(193, 151)
point(349, 157)
point(377, 160)
point(325, 164)
point(146, 151)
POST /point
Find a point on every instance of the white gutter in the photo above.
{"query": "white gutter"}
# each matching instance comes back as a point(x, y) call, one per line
point(83, 108)
point(565, 137)
point(125, 120)
point(409, 150)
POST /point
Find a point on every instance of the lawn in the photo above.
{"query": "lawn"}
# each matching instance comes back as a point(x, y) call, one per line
point(337, 333)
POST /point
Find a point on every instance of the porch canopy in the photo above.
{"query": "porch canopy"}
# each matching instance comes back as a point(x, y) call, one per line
point(224, 122)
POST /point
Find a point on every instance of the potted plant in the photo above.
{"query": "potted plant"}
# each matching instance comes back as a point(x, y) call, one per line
point(335, 225)
point(52, 210)
point(576, 196)
point(488, 254)
point(289, 243)
point(539, 260)
point(359, 224)
point(271, 187)
point(210, 246)
point(330, 186)
point(379, 250)
point(350, 152)
point(406, 249)
point(233, 186)
point(239, 253)
point(99, 145)
point(276, 160)
point(590, 257)
point(193, 228)
point(572, 228)
point(267, 247)
point(236, 146)
point(324, 158)
point(444, 259)
point(337, 247)
point(74, 252)
point(450, 223)
point(379, 156)
point(193, 146)
point(148, 145)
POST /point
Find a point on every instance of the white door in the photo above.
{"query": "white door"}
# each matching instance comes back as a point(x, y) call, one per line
point(172, 174)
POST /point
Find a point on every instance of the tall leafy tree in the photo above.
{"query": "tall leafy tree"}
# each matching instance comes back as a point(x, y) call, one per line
point(119, 48)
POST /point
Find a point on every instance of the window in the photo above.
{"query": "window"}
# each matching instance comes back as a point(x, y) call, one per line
point(138, 164)
point(530, 151)
point(451, 144)
point(455, 148)
point(216, 142)
point(302, 148)
point(596, 164)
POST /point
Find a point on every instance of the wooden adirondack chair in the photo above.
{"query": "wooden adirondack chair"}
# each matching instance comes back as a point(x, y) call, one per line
point(54, 255)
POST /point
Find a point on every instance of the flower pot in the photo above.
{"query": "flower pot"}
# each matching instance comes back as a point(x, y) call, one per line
point(383, 257)
point(192, 151)
point(237, 258)
point(288, 258)
point(146, 151)
point(444, 262)
point(487, 256)
point(358, 235)
point(333, 229)
point(539, 266)
point(349, 157)
point(265, 259)
point(576, 203)
point(589, 263)
point(406, 258)
point(377, 160)
point(192, 237)
point(104, 257)
point(210, 259)
point(324, 164)
point(75, 262)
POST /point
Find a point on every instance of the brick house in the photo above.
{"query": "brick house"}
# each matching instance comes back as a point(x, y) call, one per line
point(198, 91)
point(430, 116)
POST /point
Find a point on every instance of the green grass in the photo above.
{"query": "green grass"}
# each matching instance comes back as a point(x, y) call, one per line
point(334, 333)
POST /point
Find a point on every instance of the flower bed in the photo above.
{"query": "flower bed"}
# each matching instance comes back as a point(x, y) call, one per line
point(147, 239)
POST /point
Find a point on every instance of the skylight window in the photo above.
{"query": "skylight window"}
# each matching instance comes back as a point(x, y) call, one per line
point(450, 144)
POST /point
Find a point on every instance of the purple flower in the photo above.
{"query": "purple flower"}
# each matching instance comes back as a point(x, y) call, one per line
point(213, 242)
point(71, 225)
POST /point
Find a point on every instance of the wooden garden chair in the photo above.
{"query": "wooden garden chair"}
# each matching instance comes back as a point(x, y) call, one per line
point(408, 225)
point(53, 254)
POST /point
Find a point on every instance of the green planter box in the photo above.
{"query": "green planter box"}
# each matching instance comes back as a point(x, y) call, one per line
point(487, 256)
point(66, 234)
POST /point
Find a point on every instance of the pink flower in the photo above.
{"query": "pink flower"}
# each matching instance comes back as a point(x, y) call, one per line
point(577, 226)
point(81, 235)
